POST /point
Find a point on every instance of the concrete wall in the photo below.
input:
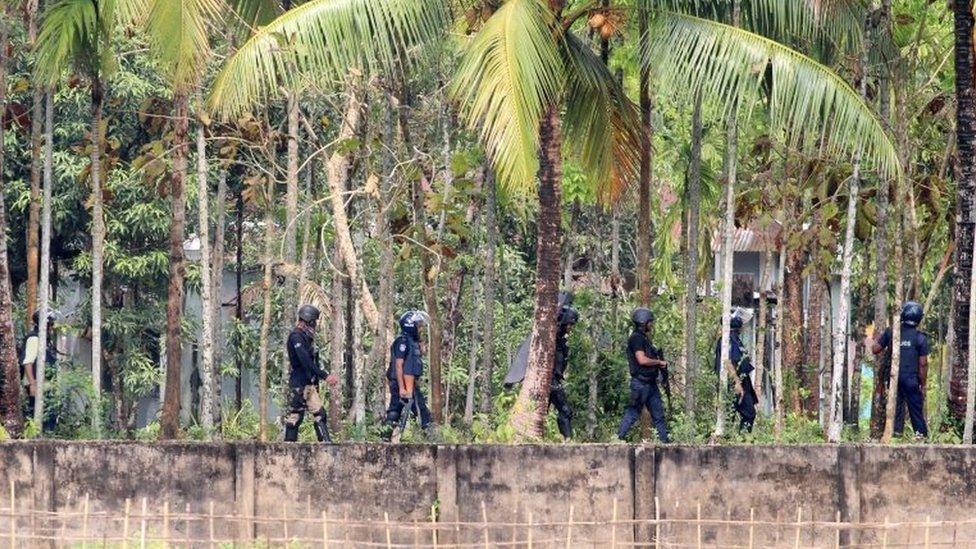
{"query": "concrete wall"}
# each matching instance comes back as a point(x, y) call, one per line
point(866, 484)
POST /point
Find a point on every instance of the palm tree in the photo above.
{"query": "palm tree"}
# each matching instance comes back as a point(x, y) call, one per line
point(76, 34)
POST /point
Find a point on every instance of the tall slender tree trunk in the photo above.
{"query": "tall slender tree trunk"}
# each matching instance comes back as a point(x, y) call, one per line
point(45, 283)
point(967, 431)
point(793, 337)
point(13, 420)
point(814, 345)
point(644, 251)
point(239, 291)
point(693, 194)
point(780, 341)
point(528, 415)
point(965, 57)
point(489, 283)
point(762, 324)
point(170, 422)
point(206, 285)
point(34, 208)
point(98, 250)
point(290, 245)
point(338, 340)
point(263, 351)
point(387, 282)
point(836, 424)
point(473, 356)
point(217, 283)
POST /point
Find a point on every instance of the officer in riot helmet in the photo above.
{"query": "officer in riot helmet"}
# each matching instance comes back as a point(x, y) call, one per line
point(303, 380)
point(404, 372)
point(645, 366)
point(912, 369)
point(745, 394)
point(568, 317)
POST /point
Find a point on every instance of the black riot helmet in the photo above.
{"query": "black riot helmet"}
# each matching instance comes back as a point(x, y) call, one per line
point(309, 314)
point(411, 321)
point(568, 316)
point(911, 313)
point(642, 317)
point(736, 322)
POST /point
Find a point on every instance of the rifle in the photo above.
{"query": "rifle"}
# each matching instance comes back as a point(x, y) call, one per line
point(665, 376)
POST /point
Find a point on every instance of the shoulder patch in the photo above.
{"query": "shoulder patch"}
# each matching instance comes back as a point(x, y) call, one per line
point(403, 347)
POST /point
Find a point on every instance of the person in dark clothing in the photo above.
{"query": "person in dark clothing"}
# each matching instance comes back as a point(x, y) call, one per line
point(405, 369)
point(912, 369)
point(568, 317)
point(745, 394)
point(303, 381)
point(644, 371)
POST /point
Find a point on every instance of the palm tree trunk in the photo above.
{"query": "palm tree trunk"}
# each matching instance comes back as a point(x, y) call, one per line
point(239, 291)
point(473, 356)
point(528, 415)
point(45, 282)
point(34, 208)
point(290, 246)
point(727, 265)
point(814, 345)
point(170, 422)
point(646, 169)
point(489, 284)
point(762, 325)
point(780, 345)
point(98, 249)
point(13, 420)
point(967, 432)
point(263, 351)
point(836, 424)
point(338, 340)
point(217, 275)
point(693, 194)
point(206, 285)
point(965, 57)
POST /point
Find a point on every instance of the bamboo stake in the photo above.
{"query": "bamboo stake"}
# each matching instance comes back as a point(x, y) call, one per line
point(837, 538)
point(484, 517)
point(187, 524)
point(515, 522)
point(799, 516)
point(884, 534)
point(125, 524)
point(927, 541)
point(210, 523)
point(166, 523)
point(613, 523)
point(569, 529)
point(345, 530)
point(698, 525)
point(386, 519)
point(13, 515)
point(284, 520)
point(752, 526)
point(530, 529)
point(142, 526)
point(433, 524)
point(657, 522)
point(84, 523)
point(325, 531)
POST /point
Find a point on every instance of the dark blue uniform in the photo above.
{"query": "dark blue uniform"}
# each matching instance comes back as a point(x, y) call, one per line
point(644, 392)
point(303, 383)
point(914, 345)
point(408, 349)
point(557, 393)
point(745, 405)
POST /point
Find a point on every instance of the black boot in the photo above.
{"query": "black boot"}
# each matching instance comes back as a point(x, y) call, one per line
point(322, 430)
point(291, 433)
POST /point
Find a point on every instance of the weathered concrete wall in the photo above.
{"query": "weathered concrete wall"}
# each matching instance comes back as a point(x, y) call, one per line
point(367, 483)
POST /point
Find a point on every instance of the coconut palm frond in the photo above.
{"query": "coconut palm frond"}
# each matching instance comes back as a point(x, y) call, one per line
point(601, 123)
point(178, 31)
point(253, 14)
point(837, 22)
point(509, 74)
point(68, 38)
point(324, 40)
point(729, 64)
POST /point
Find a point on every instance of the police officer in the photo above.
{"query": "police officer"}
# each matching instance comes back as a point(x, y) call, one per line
point(745, 393)
point(644, 370)
point(912, 369)
point(304, 378)
point(406, 367)
point(568, 317)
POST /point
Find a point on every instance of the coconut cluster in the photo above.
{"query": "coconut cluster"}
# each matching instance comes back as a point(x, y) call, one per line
point(604, 22)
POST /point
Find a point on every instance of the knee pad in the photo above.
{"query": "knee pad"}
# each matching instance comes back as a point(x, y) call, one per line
point(319, 414)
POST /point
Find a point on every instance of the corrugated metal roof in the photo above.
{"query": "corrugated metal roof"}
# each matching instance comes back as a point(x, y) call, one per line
point(750, 239)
